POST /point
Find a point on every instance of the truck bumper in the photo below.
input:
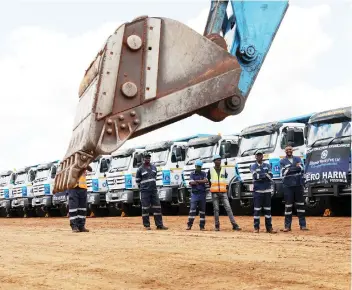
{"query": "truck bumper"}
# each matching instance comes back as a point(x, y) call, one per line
point(167, 194)
point(126, 196)
point(40, 201)
point(60, 198)
point(24, 202)
point(6, 204)
point(244, 190)
point(96, 198)
point(335, 190)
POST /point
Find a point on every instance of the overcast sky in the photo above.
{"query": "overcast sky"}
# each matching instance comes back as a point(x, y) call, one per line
point(46, 46)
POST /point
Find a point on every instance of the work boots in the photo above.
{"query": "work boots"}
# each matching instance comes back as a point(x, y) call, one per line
point(84, 230)
point(162, 228)
point(75, 230)
point(236, 227)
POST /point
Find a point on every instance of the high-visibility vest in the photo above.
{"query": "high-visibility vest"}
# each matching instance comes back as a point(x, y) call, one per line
point(82, 182)
point(218, 182)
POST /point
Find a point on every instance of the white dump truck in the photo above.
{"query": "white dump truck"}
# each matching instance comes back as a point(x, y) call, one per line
point(123, 191)
point(271, 138)
point(43, 185)
point(169, 158)
point(7, 179)
point(21, 204)
point(328, 162)
point(204, 148)
point(97, 185)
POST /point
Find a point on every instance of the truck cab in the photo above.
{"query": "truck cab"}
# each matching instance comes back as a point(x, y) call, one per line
point(204, 148)
point(271, 138)
point(97, 186)
point(328, 136)
point(168, 157)
point(7, 179)
point(123, 191)
point(22, 190)
point(43, 185)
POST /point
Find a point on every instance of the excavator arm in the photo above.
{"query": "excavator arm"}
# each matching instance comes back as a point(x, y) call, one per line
point(154, 71)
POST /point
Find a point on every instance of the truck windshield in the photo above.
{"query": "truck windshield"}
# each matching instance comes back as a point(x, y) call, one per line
point(250, 143)
point(41, 175)
point(4, 180)
point(327, 131)
point(159, 156)
point(119, 163)
point(21, 178)
point(202, 152)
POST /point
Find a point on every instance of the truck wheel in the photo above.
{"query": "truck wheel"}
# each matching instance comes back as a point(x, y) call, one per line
point(168, 209)
point(277, 207)
point(114, 211)
point(40, 212)
point(246, 206)
point(341, 206)
point(316, 207)
point(63, 210)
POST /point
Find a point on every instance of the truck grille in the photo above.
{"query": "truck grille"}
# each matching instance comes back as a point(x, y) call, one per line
point(159, 178)
point(116, 182)
point(89, 184)
point(17, 192)
point(38, 190)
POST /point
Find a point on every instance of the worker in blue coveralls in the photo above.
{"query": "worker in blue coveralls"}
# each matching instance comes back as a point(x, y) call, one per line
point(262, 181)
point(197, 181)
point(146, 180)
point(292, 172)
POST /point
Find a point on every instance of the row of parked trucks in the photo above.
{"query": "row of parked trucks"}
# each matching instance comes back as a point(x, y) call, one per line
point(112, 188)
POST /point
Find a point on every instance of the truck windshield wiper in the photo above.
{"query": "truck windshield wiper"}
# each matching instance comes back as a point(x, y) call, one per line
point(202, 158)
point(159, 161)
point(335, 138)
point(312, 145)
point(192, 159)
point(248, 150)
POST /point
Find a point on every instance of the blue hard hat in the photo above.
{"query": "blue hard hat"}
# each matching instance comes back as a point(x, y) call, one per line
point(198, 163)
point(217, 156)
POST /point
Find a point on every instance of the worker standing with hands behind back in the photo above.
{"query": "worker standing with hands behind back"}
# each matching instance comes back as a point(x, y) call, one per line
point(77, 203)
point(198, 198)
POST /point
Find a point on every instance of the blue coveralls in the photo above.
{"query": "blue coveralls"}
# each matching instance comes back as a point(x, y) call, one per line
point(146, 179)
point(77, 204)
point(198, 199)
point(262, 193)
point(293, 189)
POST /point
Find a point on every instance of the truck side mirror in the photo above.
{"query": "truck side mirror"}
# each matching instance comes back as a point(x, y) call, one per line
point(178, 154)
point(31, 175)
point(104, 166)
point(53, 172)
point(290, 136)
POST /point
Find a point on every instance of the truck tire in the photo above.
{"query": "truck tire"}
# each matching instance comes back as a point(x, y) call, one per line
point(317, 207)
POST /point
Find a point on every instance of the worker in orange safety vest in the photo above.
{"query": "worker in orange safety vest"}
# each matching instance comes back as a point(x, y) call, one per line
point(218, 188)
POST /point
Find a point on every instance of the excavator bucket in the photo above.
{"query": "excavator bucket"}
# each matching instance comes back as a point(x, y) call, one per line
point(151, 72)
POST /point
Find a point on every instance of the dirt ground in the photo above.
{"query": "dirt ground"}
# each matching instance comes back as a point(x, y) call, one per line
point(42, 253)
